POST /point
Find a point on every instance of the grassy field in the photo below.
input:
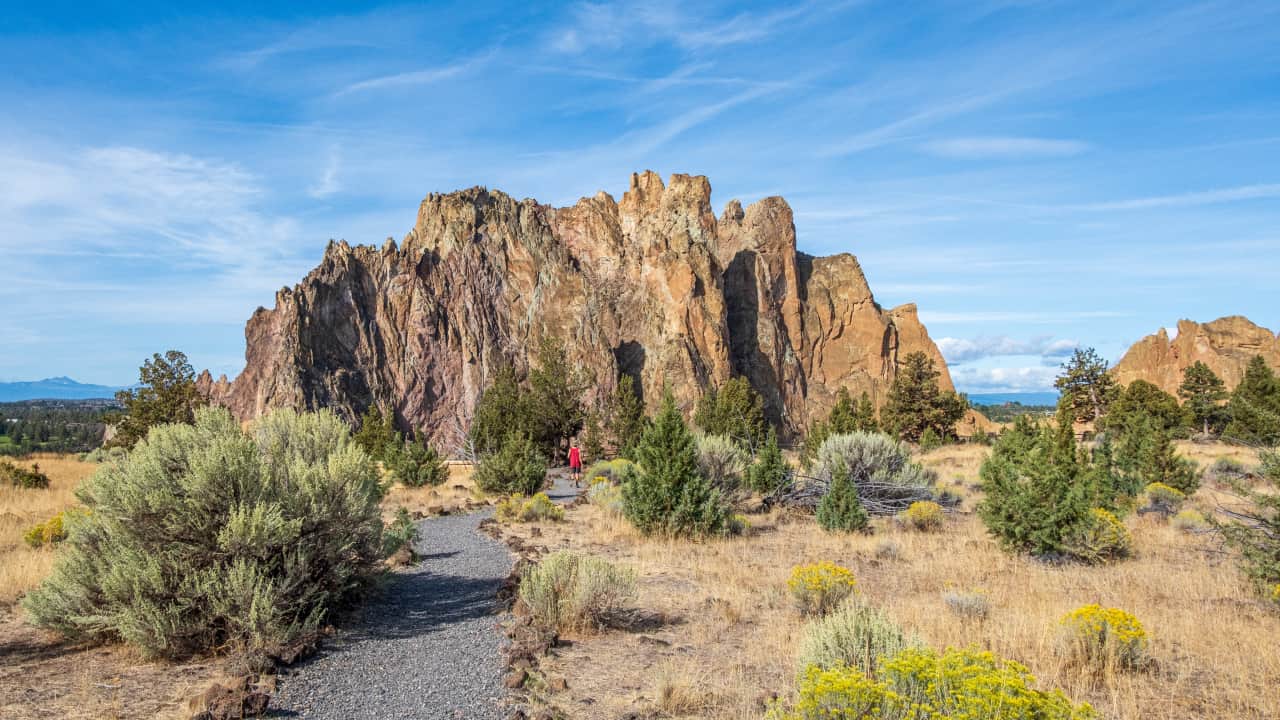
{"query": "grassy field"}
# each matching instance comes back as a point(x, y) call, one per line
point(21, 567)
point(717, 635)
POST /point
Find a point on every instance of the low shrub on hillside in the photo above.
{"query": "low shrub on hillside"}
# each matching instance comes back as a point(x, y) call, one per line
point(18, 476)
point(617, 471)
point(516, 468)
point(1190, 521)
point(880, 468)
point(518, 508)
point(924, 515)
point(722, 461)
point(205, 538)
point(923, 684)
point(1101, 540)
point(570, 591)
point(857, 636)
point(818, 588)
point(1104, 638)
point(1162, 499)
point(399, 537)
point(967, 604)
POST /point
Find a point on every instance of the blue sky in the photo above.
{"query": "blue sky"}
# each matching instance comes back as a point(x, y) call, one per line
point(1032, 174)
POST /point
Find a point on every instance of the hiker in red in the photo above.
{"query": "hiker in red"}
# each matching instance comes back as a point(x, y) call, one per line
point(575, 463)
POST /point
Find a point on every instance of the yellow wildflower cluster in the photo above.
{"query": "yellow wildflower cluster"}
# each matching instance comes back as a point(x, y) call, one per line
point(599, 480)
point(1105, 636)
point(923, 684)
point(49, 532)
point(1159, 492)
point(521, 509)
point(1275, 593)
point(819, 587)
point(1103, 539)
point(924, 515)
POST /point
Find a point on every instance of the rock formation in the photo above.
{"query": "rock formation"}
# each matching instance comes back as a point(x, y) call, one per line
point(654, 286)
point(1226, 345)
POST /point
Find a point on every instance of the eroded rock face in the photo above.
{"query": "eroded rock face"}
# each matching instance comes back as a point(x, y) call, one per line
point(654, 286)
point(1226, 345)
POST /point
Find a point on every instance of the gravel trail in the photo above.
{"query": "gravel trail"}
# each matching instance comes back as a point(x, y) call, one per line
point(427, 645)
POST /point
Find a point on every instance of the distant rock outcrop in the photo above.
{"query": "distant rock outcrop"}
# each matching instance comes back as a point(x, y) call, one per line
point(654, 286)
point(1226, 345)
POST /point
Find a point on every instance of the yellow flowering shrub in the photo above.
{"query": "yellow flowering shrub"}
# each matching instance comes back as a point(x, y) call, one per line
point(1189, 521)
point(818, 588)
point(1275, 593)
point(1104, 637)
point(1103, 539)
point(924, 515)
point(920, 684)
point(49, 532)
point(521, 509)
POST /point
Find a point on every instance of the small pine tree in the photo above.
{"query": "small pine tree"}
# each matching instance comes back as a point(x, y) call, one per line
point(502, 410)
point(377, 435)
point(733, 410)
point(517, 468)
point(166, 394)
point(1203, 393)
point(592, 438)
point(670, 496)
point(1143, 397)
point(554, 398)
point(1039, 491)
point(916, 403)
point(1161, 463)
point(844, 415)
point(626, 418)
point(864, 418)
point(840, 510)
point(417, 464)
point(770, 469)
point(1255, 406)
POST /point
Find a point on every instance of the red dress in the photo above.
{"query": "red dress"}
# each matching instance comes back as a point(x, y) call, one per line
point(575, 459)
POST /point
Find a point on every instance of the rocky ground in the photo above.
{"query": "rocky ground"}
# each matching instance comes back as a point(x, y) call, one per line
point(427, 646)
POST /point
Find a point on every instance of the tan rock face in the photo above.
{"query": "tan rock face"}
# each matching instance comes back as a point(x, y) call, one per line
point(654, 286)
point(1226, 345)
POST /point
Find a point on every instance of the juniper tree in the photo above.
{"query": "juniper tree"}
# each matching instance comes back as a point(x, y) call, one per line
point(770, 469)
point(1202, 393)
point(1255, 406)
point(626, 420)
point(670, 496)
point(377, 435)
point(733, 410)
point(915, 401)
point(1086, 387)
point(554, 401)
point(840, 510)
point(864, 418)
point(1143, 397)
point(166, 394)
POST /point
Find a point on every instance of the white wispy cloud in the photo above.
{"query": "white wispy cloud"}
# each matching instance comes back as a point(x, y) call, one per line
point(984, 316)
point(1036, 378)
point(1190, 199)
point(963, 350)
point(327, 184)
point(1004, 147)
point(412, 78)
point(611, 25)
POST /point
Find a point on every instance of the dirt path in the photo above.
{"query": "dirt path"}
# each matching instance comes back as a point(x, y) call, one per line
point(427, 646)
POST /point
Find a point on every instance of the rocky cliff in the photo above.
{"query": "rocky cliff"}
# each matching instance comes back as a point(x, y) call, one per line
point(655, 286)
point(1226, 345)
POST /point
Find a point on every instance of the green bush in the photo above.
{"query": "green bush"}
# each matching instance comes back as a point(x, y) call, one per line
point(402, 533)
point(605, 495)
point(722, 461)
point(856, 636)
point(1189, 521)
point(734, 411)
point(880, 468)
point(206, 538)
point(617, 471)
point(1039, 489)
point(49, 532)
point(1254, 530)
point(516, 468)
point(377, 435)
point(770, 470)
point(1161, 498)
point(840, 510)
point(18, 476)
point(569, 591)
point(1103, 539)
point(105, 454)
point(528, 509)
point(671, 496)
point(417, 464)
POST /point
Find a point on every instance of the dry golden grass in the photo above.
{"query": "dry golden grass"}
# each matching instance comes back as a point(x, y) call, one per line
point(718, 634)
point(457, 494)
point(21, 567)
